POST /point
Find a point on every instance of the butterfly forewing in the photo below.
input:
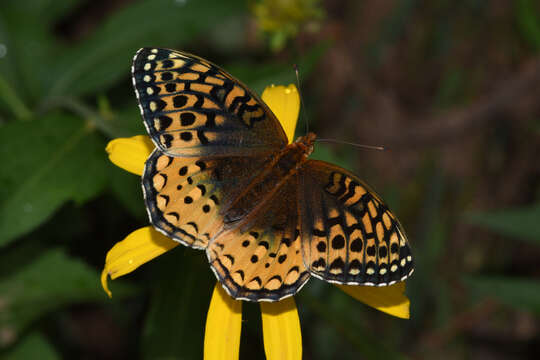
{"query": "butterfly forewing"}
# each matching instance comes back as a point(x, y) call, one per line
point(193, 108)
point(349, 236)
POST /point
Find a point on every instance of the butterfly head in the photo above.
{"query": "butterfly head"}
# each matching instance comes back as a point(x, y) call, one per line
point(306, 143)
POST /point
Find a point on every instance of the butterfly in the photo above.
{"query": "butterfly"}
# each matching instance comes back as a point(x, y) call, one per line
point(224, 179)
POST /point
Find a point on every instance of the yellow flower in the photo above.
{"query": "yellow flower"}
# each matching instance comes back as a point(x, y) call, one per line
point(281, 326)
point(283, 19)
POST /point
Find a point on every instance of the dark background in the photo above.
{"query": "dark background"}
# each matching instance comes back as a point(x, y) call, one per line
point(451, 88)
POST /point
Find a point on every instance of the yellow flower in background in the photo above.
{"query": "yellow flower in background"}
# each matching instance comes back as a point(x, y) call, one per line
point(283, 19)
point(281, 325)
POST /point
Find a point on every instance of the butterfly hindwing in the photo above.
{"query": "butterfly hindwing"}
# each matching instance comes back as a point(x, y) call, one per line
point(261, 258)
point(185, 196)
point(191, 107)
point(349, 236)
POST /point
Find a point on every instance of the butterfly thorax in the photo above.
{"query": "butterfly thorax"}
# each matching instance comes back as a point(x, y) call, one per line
point(281, 166)
point(306, 143)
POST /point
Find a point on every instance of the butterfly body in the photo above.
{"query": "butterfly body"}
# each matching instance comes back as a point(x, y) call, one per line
point(278, 171)
point(223, 179)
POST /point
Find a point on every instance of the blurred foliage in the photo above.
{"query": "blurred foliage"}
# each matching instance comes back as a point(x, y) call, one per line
point(371, 71)
point(528, 20)
point(49, 282)
point(520, 223)
point(34, 346)
point(523, 224)
point(282, 20)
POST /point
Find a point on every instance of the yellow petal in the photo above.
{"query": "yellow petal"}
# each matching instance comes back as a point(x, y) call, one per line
point(389, 299)
point(285, 104)
point(130, 153)
point(137, 248)
point(281, 330)
point(223, 326)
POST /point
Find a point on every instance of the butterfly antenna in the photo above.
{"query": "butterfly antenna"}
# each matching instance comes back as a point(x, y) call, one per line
point(369, 147)
point(304, 117)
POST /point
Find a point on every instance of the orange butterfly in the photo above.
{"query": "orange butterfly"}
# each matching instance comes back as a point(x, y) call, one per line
point(224, 179)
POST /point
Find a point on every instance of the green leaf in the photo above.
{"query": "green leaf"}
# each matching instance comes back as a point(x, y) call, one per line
point(519, 293)
point(521, 223)
point(31, 50)
point(45, 10)
point(127, 122)
point(526, 12)
point(342, 316)
point(106, 55)
point(12, 101)
point(31, 47)
point(46, 163)
point(126, 187)
point(49, 282)
point(33, 346)
point(181, 294)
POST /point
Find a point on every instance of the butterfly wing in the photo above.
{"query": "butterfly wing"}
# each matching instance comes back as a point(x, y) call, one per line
point(192, 107)
point(256, 254)
point(349, 236)
point(261, 259)
point(185, 195)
